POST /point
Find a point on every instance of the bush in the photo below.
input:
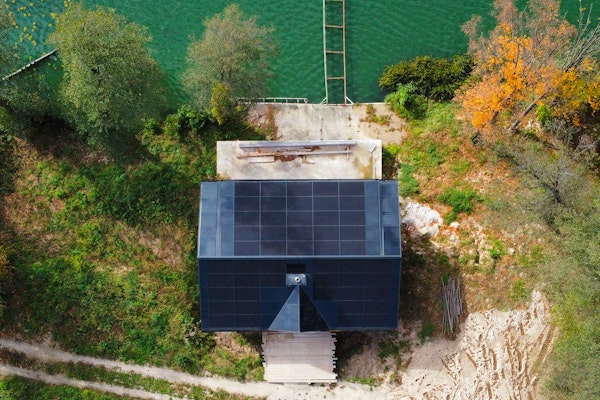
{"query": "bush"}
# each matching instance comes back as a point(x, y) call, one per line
point(543, 114)
point(435, 78)
point(461, 201)
point(407, 103)
point(184, 120)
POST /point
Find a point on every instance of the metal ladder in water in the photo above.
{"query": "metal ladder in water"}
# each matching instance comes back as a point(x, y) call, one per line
point(337, 52)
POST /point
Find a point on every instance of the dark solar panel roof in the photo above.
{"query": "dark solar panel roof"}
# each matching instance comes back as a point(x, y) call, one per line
point(299, 218)
point(299, 255)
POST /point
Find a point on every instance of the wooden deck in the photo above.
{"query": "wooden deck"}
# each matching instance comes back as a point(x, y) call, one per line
point(306, 357)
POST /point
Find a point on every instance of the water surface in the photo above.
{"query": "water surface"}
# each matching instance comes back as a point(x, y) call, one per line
point(379, 33)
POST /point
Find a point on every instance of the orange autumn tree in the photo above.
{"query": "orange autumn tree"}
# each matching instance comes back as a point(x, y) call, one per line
point(531, 56)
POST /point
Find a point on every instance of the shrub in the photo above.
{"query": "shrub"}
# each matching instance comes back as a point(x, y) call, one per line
point(435, 78)
point(185, 119)
point(543, 114)
point(461, 201)
point(407, 103)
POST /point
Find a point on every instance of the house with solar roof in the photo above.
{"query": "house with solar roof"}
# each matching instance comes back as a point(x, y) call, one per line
point(298, 259)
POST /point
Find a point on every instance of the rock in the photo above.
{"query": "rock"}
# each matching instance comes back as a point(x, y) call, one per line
point(420, 220)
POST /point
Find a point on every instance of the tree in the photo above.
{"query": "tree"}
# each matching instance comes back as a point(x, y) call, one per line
point(230, 61)
point(530, 57)
point(111, 83)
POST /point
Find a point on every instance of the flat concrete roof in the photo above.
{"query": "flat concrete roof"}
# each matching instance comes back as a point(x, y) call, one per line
point(313, 159)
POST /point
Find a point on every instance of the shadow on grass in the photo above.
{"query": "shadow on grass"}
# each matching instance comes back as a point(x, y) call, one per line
point(424, 269)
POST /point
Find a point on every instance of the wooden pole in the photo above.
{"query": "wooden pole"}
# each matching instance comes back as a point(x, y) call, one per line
point(31, 64)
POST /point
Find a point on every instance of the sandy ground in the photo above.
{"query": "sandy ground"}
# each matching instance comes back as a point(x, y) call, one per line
point(495, 357)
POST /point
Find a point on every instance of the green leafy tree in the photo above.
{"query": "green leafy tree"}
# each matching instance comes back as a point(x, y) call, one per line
point(231, 60)
point(111, 82)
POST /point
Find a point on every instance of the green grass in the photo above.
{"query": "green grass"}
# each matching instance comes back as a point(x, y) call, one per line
point(107, 251)
point(17, 388)
point(408, 184)
point(519, 291)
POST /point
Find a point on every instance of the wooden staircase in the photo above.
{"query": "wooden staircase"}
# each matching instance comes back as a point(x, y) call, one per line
point(302, 357)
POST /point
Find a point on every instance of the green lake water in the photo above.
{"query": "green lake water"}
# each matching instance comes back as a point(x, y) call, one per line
point(379, 33)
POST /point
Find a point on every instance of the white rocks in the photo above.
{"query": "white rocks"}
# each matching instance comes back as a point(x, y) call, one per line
point(420, 220)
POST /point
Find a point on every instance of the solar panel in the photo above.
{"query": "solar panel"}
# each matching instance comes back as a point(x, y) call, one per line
point(268, 189)
point(352, 188)
point(247, 189)
point(299, 189)
point(325, 188)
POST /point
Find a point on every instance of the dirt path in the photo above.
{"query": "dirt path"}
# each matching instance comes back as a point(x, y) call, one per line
point(345, 391)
